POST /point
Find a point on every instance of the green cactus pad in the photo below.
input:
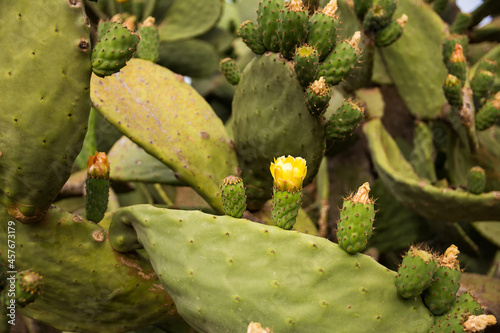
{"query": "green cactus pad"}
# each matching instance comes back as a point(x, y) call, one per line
point(149, 46)
point(414, 63)
point(249, 32)
point(96, 199)
point(404, 184)
point(476, 180)
point(306, 64)
point(189, 18)
point(461, 23)
point(415, 272)
point(341, 61)
point(285, 208)
point(355, 225)
point(391, 33)
point(379, 15)
point(269, 111)
point(318, 97)
point(489, 114)
point(130, 163)
point(113, 51)
point(421, 157)
point(254, 272)
point(229, 68)
point(344, 121)
point(233, 196)
point(323, 26)
point(268, 16)
point(452, 88)
point(292, 27)
point(175, 125)
point(45, 110)
point(87, 286)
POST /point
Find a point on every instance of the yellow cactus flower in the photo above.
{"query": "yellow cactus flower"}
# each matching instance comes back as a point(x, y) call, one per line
point(289, 173)
point(98, 166)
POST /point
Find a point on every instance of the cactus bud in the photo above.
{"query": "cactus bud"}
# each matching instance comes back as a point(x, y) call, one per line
point(489, 114)
point(391, 33)
point(476, 180)
point(317, 97)
point(97, 187)
point(252, 37)
point(452, 88)
point(229, 68)
point(233, 196)
point(306, 64)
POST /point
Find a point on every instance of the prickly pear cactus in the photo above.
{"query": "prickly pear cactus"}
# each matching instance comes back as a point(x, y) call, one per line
point(257, 279)
point(47, 74)
point(269, 112)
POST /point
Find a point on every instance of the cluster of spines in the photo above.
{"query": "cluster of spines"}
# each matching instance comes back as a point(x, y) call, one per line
point(355, 225)
point(234, 200)
point(115, 47)
point(345, 120)
point(377, 17)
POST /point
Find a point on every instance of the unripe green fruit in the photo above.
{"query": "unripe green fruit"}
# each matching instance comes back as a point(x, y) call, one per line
point(149, 46)
point(487, 65)
point(233, 196)
point(250, 33)
point(292, 27)
point(481, 84)
point(361, 7)
point(452, 88)
point(323, 27)
point(457, 65)
point(415, 272)
point(345, 120)
point(441, 295)
point(355, 225)
point(317, 97)
point(476, 180)
point(113, 51)
point(379, 15)
point(341, 61)
point(306, 64)
point(28, 288)
point(268, 15)
point(489, 114)
point(450, 43)
point(285, 208)
point(391, 33)
point(229, 68)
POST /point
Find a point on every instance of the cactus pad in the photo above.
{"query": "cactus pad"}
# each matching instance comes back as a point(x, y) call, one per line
point(253, 269)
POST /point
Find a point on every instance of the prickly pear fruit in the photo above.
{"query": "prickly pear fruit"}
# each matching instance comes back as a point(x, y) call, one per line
point(452, 88)
point(345, 120)
point(318, 97)
point(415, 272)
point(361, 7)
point(391, 33)
point(288, 174)
point(149, 45)
point(323, 27)
point(449, 45)
point(476, 180)
point(443, 290)
point(229, 68)
point(268, 15)
point(233, 196)
point(103, 27)
point(481, 84)
point(28, 288)
point(292, 27)
point(379, 15)
point(355, 226)
point(457, 65)
point(306, 64)
point(113, 51)
point(489, 114)
point(97, 187)
point(250, 34)
point(340, 62)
